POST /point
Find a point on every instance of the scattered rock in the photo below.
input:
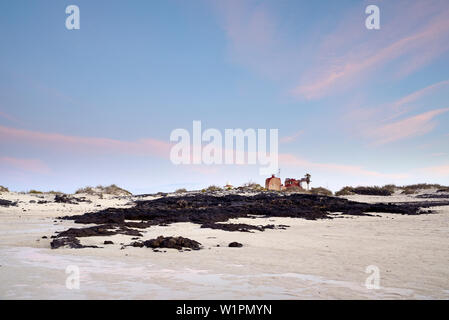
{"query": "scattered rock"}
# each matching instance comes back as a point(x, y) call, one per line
point(235, 245)
point(101, 230)
point(169, 242)
point(108, 242)
point(63, 198)
point(433, 196)
point(7, 203)
point(137, 244)
point(242, 227)
point(70, 242)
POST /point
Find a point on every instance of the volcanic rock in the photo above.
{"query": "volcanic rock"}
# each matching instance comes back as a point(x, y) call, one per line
point(235, 245)
point(169, 242)
point(7, 203)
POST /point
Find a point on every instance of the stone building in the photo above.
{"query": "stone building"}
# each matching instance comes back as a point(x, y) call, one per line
point(273, 183)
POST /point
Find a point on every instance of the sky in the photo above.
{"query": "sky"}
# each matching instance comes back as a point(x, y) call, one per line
point(97, 105)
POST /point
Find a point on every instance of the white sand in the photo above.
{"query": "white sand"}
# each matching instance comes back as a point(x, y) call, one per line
point(323, 259)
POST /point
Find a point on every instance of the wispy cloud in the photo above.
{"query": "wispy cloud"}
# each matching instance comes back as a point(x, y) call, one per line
point(291, 138)
point(86, 144)
point(442, 170)
point(380, 123)
point(438, 154)
point(406, 128)
point(29, 165)
point(9, 117)
point(415, 47)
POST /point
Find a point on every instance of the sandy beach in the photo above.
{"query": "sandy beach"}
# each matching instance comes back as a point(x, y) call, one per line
point(319, 259)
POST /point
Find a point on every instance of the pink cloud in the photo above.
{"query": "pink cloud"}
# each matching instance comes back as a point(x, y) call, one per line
point(9, 117)
point(406, 128)
point(442, 170)
point(86, 144)
point(398, 105)
point(31, 165)
point(374, 122)
point(291, 138)
point(438, 154)
point(415, 47)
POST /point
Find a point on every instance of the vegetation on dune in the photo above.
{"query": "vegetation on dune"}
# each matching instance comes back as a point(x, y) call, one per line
point(182, 190)
point(322, 191)
point(100, 190)
point(55, 192)
point(387, 190)
point(413, 188)
point(345, 191)
point(213, 188)
point(3, 189)
point(253, 186)
point(32, 191)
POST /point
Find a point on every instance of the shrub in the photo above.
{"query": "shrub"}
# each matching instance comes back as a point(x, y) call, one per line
point(32, 191)
point(213, 188)
point(413, 188)
point(345, 191)
point(321, 190)
point(87, 190)
point(182, 190)
point(390, 187)
point(3, 189)
point(370, 191)
point(252, 185)
point(100, 190)
point(55, 192)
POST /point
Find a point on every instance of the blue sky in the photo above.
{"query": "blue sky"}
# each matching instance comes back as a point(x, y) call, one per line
point(97, 105)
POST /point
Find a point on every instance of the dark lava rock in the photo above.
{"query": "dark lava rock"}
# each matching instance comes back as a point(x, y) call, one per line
point(242, 227)
point(169, 242)
point(108, 242)
point(44, 237)
point(433, 196)
point(32, 201)
point(137, 244)
point(235, 245)
point(70, 242)
point(63, 198)
point(101, 230)
point(7, 203)
point(211, 211)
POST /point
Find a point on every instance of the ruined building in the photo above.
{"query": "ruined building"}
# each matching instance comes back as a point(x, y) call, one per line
point(274, 183)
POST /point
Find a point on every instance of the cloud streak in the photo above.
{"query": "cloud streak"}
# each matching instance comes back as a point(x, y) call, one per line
point(414, 46)
point(291, 138)
point(406, 128)
point(28, 165)
point(86, 144)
